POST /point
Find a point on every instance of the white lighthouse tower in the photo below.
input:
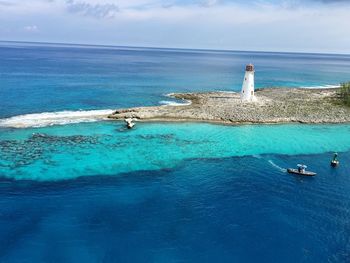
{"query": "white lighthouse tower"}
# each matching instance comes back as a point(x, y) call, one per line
point(247, 93)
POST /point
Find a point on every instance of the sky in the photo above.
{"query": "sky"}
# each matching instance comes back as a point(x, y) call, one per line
point(260, 25)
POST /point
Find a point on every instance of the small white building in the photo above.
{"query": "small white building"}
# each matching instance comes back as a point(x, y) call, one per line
point(247, 93)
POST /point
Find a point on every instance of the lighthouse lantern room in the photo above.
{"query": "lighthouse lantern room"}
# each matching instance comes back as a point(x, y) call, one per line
point(247, 93)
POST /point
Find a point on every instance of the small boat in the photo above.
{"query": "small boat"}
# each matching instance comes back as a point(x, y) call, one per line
point(296, 171)
point(335, 161)
point(301, 171)
point(129, 123)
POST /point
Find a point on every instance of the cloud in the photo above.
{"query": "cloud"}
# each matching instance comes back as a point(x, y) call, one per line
point(31, 28)
point(332, 1)
point(108, 10)
point(209, 3)
point(287, 25)
point(5, 3)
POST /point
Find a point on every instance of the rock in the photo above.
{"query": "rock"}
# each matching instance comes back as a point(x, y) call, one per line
point(273, 105)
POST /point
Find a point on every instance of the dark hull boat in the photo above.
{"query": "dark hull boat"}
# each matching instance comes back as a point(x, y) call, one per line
point(334, 163)
point(304, 173)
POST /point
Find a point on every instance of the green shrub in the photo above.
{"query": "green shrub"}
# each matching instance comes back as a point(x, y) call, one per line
point(345, 93)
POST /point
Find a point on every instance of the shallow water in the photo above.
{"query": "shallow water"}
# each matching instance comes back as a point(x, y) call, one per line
point(71, 151)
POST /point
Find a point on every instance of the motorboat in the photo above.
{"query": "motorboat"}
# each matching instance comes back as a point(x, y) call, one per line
point(301, 170)
point(129, 123)
point(335, 161)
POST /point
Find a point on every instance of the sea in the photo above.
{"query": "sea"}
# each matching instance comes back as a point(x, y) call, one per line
point(75, 187)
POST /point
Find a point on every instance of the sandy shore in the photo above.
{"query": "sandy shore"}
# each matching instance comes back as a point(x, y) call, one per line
point(273, 105)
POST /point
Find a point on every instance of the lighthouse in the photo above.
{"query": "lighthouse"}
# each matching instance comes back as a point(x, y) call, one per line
point(247, 93)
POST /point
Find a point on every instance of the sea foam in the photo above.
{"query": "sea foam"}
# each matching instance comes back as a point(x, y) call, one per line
point(54, 118)
point(175, 103)
point(321, 87)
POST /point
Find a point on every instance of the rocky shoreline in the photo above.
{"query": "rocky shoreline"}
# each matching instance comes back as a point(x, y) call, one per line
point(273, 105)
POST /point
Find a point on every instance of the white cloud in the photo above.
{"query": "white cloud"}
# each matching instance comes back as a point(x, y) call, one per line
point(31, 28)
point(103, 10)
point(223, 24)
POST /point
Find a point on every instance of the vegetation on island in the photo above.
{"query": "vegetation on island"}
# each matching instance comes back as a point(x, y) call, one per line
point(345, 93)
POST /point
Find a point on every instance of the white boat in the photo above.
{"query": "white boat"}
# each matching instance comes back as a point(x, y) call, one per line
point(301, 170)
point(129, 123)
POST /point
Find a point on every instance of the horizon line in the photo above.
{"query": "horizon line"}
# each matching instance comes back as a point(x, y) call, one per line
point(166, 48)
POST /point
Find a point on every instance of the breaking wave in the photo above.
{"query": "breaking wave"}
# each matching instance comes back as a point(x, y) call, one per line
point(321, 87)
point(54, 118)
point(174, 103)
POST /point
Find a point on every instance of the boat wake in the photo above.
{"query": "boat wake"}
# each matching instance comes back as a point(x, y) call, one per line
point(54, 118)
point(276, 166)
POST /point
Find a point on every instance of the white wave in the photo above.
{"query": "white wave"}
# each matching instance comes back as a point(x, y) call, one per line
point(321, 87)
point(175, 103)
point(54, 118)
point(276, 166)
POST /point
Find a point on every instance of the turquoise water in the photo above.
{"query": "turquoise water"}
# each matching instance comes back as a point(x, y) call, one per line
point(174, 193)
point(163, 192)
point(87, 149)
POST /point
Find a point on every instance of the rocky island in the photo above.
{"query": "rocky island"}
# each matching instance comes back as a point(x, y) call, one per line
point(272, 105)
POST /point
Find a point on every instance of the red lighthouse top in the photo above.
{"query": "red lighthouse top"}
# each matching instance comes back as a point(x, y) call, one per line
point(249, 67)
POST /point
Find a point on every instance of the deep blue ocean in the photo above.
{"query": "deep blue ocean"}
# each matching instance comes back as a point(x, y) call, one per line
point(76, 188)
